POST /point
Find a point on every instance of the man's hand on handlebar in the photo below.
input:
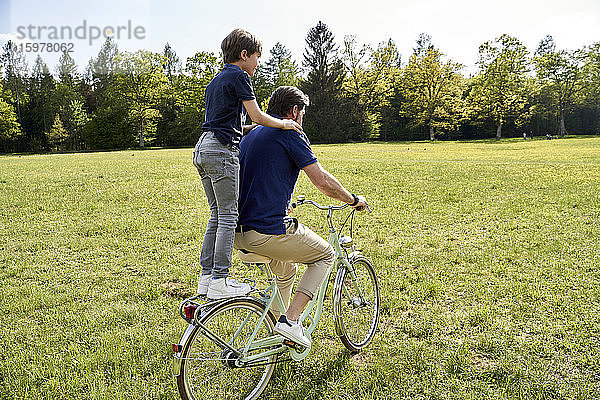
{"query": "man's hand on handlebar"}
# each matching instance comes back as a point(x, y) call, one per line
point(362, 203)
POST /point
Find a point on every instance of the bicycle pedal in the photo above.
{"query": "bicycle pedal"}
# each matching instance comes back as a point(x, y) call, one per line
point(296, 346)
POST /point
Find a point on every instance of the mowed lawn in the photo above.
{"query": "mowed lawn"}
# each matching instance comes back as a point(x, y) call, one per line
point(488, 257)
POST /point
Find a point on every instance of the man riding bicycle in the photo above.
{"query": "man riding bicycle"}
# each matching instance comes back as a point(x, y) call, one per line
point(270, 163)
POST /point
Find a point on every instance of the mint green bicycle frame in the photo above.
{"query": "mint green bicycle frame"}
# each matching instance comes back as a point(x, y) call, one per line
point(270, 296)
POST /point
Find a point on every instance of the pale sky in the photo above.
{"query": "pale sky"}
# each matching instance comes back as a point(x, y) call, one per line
point(457, 27)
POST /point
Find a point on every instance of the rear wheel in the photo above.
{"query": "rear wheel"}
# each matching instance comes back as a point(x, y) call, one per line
point(356, 304)
point(211, 371)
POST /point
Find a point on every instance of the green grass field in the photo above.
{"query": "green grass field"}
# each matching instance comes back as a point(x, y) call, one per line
point(487, 254)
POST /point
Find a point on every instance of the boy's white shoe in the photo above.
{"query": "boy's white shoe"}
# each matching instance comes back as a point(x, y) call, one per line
point(291, 331)
point(203, 282)
point(223, 288)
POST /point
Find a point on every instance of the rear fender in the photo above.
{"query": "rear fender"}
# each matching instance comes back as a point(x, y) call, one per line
point(177, 356)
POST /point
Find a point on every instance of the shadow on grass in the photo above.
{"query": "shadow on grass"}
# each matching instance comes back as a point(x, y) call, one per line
point(300, 381)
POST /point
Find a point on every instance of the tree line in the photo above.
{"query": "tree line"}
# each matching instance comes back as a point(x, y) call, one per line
point(357, 92)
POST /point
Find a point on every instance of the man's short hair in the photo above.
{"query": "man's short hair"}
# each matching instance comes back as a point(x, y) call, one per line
point(284, 98)
point(237, 41)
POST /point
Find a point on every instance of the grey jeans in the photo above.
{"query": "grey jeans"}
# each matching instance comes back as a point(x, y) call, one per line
point(219, 169)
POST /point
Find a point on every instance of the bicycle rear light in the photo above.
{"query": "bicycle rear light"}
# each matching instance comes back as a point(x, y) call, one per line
point(189, 310)
point(177, 348)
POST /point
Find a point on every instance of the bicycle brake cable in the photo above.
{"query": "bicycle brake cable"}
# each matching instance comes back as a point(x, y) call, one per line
point(344, 224)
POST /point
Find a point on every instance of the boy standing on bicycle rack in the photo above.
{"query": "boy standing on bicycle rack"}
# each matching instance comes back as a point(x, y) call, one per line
point(229, 96)
point(270, 161)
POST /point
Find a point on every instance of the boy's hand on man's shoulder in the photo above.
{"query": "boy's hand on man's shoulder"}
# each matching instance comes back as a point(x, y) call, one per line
point(289, 124)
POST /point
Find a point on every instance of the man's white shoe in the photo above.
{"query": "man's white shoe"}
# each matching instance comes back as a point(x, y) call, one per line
point(291, 331)
point(224, 288)
point(203, 282)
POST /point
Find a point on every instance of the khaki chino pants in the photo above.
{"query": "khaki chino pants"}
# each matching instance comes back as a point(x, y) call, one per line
point(298, 245)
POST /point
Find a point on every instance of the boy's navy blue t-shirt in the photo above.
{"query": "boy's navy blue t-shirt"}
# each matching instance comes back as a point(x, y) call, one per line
point(225, 113)
point(270, 162)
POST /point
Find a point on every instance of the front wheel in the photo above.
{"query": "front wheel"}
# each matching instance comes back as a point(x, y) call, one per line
point(209, 370)
point(356, 304)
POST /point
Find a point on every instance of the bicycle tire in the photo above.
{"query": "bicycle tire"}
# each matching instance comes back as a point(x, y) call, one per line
point(356, 320)
point(206, 369)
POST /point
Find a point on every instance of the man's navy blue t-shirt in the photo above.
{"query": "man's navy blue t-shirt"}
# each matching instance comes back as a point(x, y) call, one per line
point(225, 112)
point(270, 162)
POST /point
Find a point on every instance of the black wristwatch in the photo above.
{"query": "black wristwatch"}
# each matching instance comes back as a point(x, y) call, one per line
point(355, 200)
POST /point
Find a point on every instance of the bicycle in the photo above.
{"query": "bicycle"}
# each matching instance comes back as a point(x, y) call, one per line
point(229, 350)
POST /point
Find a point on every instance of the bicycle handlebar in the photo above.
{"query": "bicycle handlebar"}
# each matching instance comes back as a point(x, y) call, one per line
point(301, 200)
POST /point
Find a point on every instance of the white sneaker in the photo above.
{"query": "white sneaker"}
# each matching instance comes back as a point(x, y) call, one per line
point(223, 288)
point(203, 282)
point(293, 332)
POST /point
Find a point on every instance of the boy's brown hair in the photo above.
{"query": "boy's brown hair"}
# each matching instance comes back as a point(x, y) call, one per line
point(237, 41)
point(284, 98)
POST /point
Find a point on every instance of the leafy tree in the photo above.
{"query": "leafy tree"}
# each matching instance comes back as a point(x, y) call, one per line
point(58, 135)
point(68, 100)
point(172, 64)
point(15, 76)
point(203, 67)
point(279, 70)
point(262, 86)
point(140, 80)
point(433, 90)
point(587, 105)
point(539, 112)
point(320, 56)
point(100, 73)
point(78, 118)
point(110, 128)
point(591, 71)
point(199, 71)
point(424, 45)
point(282, 70)
point(331, 117)
point(167, 132)
point(67, 69)
point(40, 109)
point(9, 124)
point(105, 62)
point(499, 91)
point(393, 124)
point(372, 75)
point(110, 125)
point(559, 73)
point(43, 85)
